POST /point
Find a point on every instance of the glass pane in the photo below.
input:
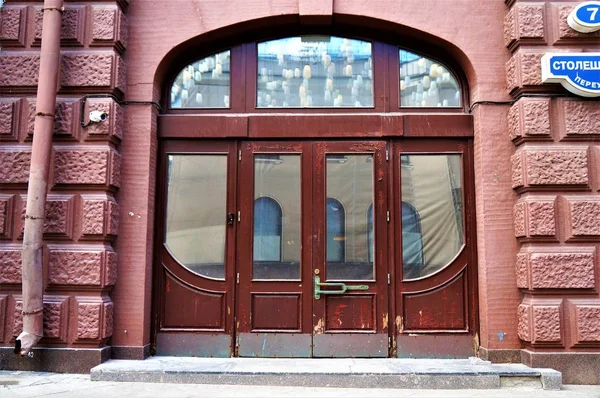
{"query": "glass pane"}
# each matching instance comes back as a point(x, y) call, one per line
point(277, 217)
point(432, 213)
point(426, 83)
point(196, 212)
point(203, 84)
point(349, 232)
point(314, 71)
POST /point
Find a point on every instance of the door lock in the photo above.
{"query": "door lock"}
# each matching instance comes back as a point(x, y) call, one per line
point(230, 218)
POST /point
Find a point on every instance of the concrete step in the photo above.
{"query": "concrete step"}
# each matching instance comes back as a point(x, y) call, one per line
point(472, 373)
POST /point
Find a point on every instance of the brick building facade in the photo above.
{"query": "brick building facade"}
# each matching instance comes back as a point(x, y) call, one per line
point(535, 166)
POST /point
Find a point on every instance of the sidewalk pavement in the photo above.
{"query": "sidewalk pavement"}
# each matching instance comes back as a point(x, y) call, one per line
point(41, 384)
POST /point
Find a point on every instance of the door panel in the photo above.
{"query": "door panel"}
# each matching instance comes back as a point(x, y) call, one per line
point(274, 300)
point(435, 299)
point(196, 288)
point(350, 180)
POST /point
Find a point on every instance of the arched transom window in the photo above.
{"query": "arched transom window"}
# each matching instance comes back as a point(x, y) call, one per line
point(316, 71)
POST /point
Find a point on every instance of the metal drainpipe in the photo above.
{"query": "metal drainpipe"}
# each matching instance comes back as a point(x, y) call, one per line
point(32, 269)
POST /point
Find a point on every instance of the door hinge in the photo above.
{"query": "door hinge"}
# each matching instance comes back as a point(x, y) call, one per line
point(240, 155)
point(389, 279)
point(388, 216)
point(239, 216)
point(387, 155)
point(237, 278)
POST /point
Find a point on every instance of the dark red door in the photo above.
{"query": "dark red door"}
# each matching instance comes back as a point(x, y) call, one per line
point(434, 250)
point(311, 282)
point(195, 299)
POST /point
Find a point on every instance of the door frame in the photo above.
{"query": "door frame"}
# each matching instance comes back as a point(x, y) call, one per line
point(432, 346)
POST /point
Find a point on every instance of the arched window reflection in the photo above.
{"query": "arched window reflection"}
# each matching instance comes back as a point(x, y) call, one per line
point(412, 242)
point(267, 230)
point(336, 231)
point(203, 84)
point(426, 83)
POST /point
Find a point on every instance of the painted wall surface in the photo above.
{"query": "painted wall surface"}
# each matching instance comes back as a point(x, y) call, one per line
point(537, 162)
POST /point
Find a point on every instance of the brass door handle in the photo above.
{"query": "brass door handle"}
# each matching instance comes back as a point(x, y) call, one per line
point(341, 285)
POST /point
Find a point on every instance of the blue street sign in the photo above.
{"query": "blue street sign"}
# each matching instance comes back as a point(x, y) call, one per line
point(578, 73)
point(585, 17)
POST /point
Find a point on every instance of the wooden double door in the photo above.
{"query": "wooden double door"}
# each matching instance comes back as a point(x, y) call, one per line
point(309, 249)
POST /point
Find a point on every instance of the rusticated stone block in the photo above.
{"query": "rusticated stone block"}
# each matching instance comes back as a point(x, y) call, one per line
point(73, 26)
point(522, 271)
point(588, 323)
point(518, 176)
point(582, 118)
point(524, 22)
point(100, 215)
point(88, 320)
point(110, 276)
point(75, 267)
point(9, 119)
point(563, 32)
point(54, 317)
point(18, 316)
point(14, 164)
point(584, 220)
point(58, 218)
point(6, 219)
point(546, 321)
point(524, 322)
point(65, 119)
point(3, 315)
point(529, 119)
point(115, 169)
point(585, 327)
point(539, 321)
point(112, 127)
point(523, 70)
point(86, 165)
point(12, 25)
point(10, 264)
point(79, 265)
point(94, 318)
point(107, 328)
point(556, 268)
point(19, 69)
point(539, 166)
point(90, 69)
point(535, 217)
point(121, 78)
point(109, 26)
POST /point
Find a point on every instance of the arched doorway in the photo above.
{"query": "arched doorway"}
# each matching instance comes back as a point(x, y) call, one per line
point(317, 200)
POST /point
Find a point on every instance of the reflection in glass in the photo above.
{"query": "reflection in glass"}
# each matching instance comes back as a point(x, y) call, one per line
point(432, 213)
point(370, 233)
point(314, 71)
point(267, 230)
point(426, 83)
point(277, 217)
point(336, 234)
point(412, 240)
point(203, 84)
point(196, 212)
point(350, 182)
